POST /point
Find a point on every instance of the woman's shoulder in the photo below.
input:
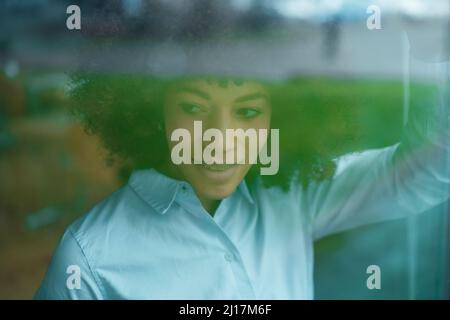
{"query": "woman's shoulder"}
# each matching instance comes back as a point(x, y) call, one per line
point(118, 214)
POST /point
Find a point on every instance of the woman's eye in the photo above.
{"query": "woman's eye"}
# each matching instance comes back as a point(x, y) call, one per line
point(248, 112)
point(190, 108)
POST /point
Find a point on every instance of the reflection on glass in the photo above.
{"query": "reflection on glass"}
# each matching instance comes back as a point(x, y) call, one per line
point(85, 124)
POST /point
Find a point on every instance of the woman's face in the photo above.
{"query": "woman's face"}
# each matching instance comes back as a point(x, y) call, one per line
point(220, 105)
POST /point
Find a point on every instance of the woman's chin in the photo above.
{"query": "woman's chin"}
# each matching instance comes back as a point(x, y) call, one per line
point(215, 191)
point(216, 181)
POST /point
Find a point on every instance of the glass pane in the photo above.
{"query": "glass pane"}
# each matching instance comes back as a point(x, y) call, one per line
point(349, 202)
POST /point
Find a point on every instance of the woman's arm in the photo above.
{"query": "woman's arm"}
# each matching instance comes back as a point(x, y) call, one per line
point(394, 182)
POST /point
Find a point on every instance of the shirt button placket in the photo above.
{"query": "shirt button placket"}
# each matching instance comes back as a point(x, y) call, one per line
point(240, 273)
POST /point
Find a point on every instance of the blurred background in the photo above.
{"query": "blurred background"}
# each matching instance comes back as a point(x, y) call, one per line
point(51, 171)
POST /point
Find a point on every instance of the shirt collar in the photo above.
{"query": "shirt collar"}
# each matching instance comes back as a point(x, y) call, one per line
point(160, 191)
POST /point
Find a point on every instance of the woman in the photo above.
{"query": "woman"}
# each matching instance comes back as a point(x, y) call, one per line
point(197, 231)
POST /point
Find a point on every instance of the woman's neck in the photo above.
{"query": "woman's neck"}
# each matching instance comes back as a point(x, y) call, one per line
point(210, 205)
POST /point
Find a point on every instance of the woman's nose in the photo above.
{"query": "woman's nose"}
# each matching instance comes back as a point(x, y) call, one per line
point(220, 119)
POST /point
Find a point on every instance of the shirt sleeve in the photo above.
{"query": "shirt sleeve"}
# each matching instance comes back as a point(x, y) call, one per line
point(394, 182)
point(69, 276)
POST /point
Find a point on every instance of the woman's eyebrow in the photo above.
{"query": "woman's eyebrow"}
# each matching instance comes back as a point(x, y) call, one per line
point(252, 96)
point(196, 92)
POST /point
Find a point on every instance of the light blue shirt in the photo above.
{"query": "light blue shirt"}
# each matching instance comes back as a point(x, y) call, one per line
point(152, 239)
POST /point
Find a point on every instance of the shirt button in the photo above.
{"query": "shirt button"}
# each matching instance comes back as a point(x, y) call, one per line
point(228, 257)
